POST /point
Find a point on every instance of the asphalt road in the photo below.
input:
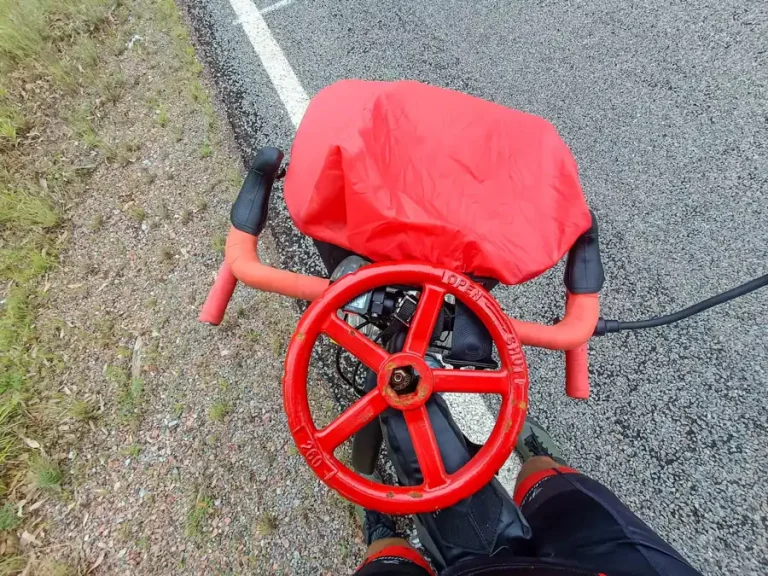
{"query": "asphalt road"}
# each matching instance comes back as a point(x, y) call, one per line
point(665, 106)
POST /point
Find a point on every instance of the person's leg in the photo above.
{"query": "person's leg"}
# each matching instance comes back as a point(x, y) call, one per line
point(541, 456)
point(379, 545)
point(579, 522)
point(388, 554)
point(534, 466)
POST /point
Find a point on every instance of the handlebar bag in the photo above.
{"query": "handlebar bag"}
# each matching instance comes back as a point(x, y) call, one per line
point(407, 171)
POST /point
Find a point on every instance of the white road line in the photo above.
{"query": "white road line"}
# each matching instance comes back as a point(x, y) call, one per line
point(280, 72)
point(475, 420)
point(469, 411)
point(277, 6)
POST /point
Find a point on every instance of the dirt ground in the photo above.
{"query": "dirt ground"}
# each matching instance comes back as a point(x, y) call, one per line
point(176, 458)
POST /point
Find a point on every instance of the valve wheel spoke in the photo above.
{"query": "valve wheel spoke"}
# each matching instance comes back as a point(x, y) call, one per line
point(351, 420)
point(355, 342)
point(425, 445)
point(471, 381)
point(423, 321)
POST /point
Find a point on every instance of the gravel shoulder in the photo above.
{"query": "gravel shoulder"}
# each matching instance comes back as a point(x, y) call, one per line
point(178, 459)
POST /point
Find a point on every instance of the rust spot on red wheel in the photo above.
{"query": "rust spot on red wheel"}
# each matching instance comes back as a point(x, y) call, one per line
point(415, 495)
point(390, 495)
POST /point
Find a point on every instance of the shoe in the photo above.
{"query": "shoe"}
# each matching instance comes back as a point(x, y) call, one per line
point(534, 440)
point(377, 526)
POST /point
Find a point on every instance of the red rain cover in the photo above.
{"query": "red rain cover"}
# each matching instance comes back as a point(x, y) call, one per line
point(407, 171)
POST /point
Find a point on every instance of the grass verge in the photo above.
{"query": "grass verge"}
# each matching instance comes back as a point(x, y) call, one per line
point(48, 67)
point(60, 79)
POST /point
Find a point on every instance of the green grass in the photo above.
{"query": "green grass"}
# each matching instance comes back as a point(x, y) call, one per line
point(197, 93)
point(162, 116)
point(200, 509)
point(129, 401)
point(22, 29)
point(130, 393)
point(9, 520)
point(105, 335)
point(111, 88)
point(24, 208)
point(82, 120)
point(45, 474)
point(132, 450)
point(10, 124)
point(17, 338)
point(97, 223)
point(116, 374)
point(124, 352)
point(218, 243)
point(218, 411)
point(51, 567)
point(10, 446)
point(137, 213)
point(21, 264)
point(83, 411)
point(12, 564)
point(14, 122)
point(266, 524)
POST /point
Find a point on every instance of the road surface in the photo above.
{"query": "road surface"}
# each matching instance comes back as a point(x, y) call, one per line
point(665, 107)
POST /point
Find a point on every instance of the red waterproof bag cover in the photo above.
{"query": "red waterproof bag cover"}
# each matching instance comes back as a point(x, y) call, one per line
point(405, 171)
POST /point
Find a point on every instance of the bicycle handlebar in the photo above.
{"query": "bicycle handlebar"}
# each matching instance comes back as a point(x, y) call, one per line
point(583, 277)
point(242, 263)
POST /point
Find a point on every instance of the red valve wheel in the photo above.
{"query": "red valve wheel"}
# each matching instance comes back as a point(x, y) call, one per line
point(439, 489)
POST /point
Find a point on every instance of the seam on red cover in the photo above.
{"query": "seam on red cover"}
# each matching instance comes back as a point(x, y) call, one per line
point(526, 485)
point(402, 552)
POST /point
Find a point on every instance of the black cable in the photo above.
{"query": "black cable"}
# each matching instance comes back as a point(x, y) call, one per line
point(354, 374)
point(440, 347)
point(351, 383)
point(611, 326)
point(339, 371)
point(361, 389)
